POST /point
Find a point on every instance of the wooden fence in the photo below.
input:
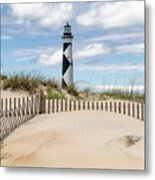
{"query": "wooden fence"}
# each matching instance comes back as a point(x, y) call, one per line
point(132, 109)
point(15, 111)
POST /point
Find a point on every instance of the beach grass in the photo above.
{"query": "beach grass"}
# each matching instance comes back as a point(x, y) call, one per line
point(55, 95)
point(72, 90)
point(31, 82)
point(23, 81)
point(123, 95)
point(51, 84)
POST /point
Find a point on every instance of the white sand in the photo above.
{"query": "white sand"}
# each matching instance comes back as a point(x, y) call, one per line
point(77, 139)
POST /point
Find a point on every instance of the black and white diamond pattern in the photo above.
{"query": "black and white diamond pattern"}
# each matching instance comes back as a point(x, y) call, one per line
point(67, 67)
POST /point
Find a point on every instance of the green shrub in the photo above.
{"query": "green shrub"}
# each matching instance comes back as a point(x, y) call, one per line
point(55, 95)
point(51, 84)
point(3, 77)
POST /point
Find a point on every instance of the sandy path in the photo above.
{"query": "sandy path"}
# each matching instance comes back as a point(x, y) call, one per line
point(77, 139)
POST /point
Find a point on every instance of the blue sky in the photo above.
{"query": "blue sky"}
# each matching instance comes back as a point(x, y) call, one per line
point(108, 44)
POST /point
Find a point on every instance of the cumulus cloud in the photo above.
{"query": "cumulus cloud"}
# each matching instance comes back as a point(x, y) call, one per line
point(114, 14)
point(50, 59)
point(29, 54)
point(98, 49)
point(89, 51)
point(40, 55)
point(93, 50)
point(44, 14)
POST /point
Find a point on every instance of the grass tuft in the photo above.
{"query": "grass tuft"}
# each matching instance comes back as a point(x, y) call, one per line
point(3, 77)
point(23, 81)
point(87, 91)
point(51, 84)
point(72, 90)
point(55, 95)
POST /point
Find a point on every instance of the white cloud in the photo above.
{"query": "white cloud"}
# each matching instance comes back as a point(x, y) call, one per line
point(98, 49)
point(6, 37)
point(113, 68)
point(50, 59)
point(50, 55)
point(28, 54)
point(40, 55)
point(114, 14)
point(89, 51)
point(48, 15)
point(116, 37)
point(92, 50)
point(130, 48)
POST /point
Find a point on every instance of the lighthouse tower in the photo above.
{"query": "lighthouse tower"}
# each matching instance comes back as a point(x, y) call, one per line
point(67, 61)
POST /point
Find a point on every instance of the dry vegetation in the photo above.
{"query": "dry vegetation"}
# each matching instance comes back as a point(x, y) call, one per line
point(31, 83)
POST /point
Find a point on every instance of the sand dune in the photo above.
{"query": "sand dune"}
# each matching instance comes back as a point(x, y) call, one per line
point(12, 94)
point(77, 139)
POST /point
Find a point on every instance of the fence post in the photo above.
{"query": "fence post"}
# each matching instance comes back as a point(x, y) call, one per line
point(19, 107)
point(101, 106)
point(61, 101)
point(119, 107)
point(70, 104)
point(66, 104)
point(110, 106)
point(42, 102)
point(74, 105)
point(79, 107)
point(133, 110)
point(37, 103)
point(142, 112)
point(6, 107)
point(83, 104)
point(137, 111)
point(115, 107)
point(23, 104)
point(128, 109)
point(106, 106)
point(124, 108)
point(32, 105)
point(53, 106)
point(10, 106)
point(48, 106)
point(57, 105)
point(14, 108)
point(2, 106)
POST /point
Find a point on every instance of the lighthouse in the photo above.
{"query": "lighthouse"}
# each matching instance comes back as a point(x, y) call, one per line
point(67, 60)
